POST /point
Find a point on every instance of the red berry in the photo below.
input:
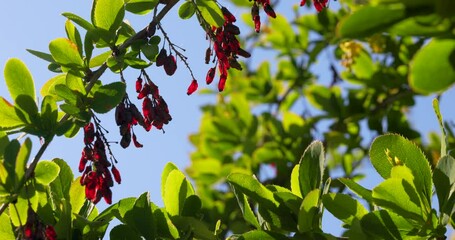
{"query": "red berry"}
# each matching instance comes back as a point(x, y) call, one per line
point(193, 87)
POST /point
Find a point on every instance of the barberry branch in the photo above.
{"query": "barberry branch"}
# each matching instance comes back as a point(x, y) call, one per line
point(177, 52)
point(94, 76)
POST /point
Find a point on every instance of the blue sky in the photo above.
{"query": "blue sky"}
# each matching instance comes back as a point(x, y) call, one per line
point(33, 24)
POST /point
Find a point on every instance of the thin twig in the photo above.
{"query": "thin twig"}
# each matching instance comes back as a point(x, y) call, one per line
point(92, 80)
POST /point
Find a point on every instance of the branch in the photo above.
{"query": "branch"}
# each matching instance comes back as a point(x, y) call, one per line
point(91, 82)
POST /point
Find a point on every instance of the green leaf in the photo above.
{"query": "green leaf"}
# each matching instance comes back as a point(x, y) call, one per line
point(444, 140)
point(18, 79)
point(108, 96)
point(295, 181)
point(428, 77)
point(392, 149)
point(290, 200)
point(100, 59)
point(46, 172)
point(251, 187)
point(9, 165)
point(370, 19)
point(64, 92)
point(429, 25)
point(187, 10)
point(75, 83)
point(177, 190)
point(263, 235)
point(18, 211)
point(192, 206)
point(166, 171)
point(245, 207)
point(140, 7)
point(78, 20)
point(444, 182)
point(61, 186)
point(311, 168)
point(344, 207)
point(211, 12)
point(308, 218)
point(165, 228)
point(400, 196)
point(4, 141)
point(27, 109)
point(49, 87)
point(77, 196)
point(6, 229)
point(63, 226)
point(150, 51)
point(21, 160)
point(66, 53)
point(8, 116)
point(123, 232)
point(140, 217)
point(198, 228)
point(42, 55)
point(73, 35)
point(108, 14)
point(383, 224)
point(357, 189)
point(49, 114)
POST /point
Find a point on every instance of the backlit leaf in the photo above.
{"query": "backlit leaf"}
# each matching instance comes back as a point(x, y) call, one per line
point(428, 77)
point(18, 79)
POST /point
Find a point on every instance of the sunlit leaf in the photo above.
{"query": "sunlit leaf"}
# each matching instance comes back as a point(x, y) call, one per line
point(428, 77)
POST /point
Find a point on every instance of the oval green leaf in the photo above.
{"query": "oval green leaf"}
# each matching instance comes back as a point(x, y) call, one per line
point(428, 76)
point(108, 14)
point(108, 96)
point(187, 10)
point(177, 190)
point(211, 12)
point(311, 168)
point(18, 79)
point(370, 19)
point(390, 148)
point(46, 172)
point(140, 7)
point(66, 53)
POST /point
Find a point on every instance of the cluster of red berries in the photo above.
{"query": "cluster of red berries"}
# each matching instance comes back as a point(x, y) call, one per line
point(167, 61)
point(255, 12)
point(35, 229)
point(227, 49)
point(154, 108)
point(318, 4)
point(96, 177)
point(127, 115)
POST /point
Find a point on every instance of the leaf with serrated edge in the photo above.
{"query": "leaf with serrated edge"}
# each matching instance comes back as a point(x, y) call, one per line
point(388, 148)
